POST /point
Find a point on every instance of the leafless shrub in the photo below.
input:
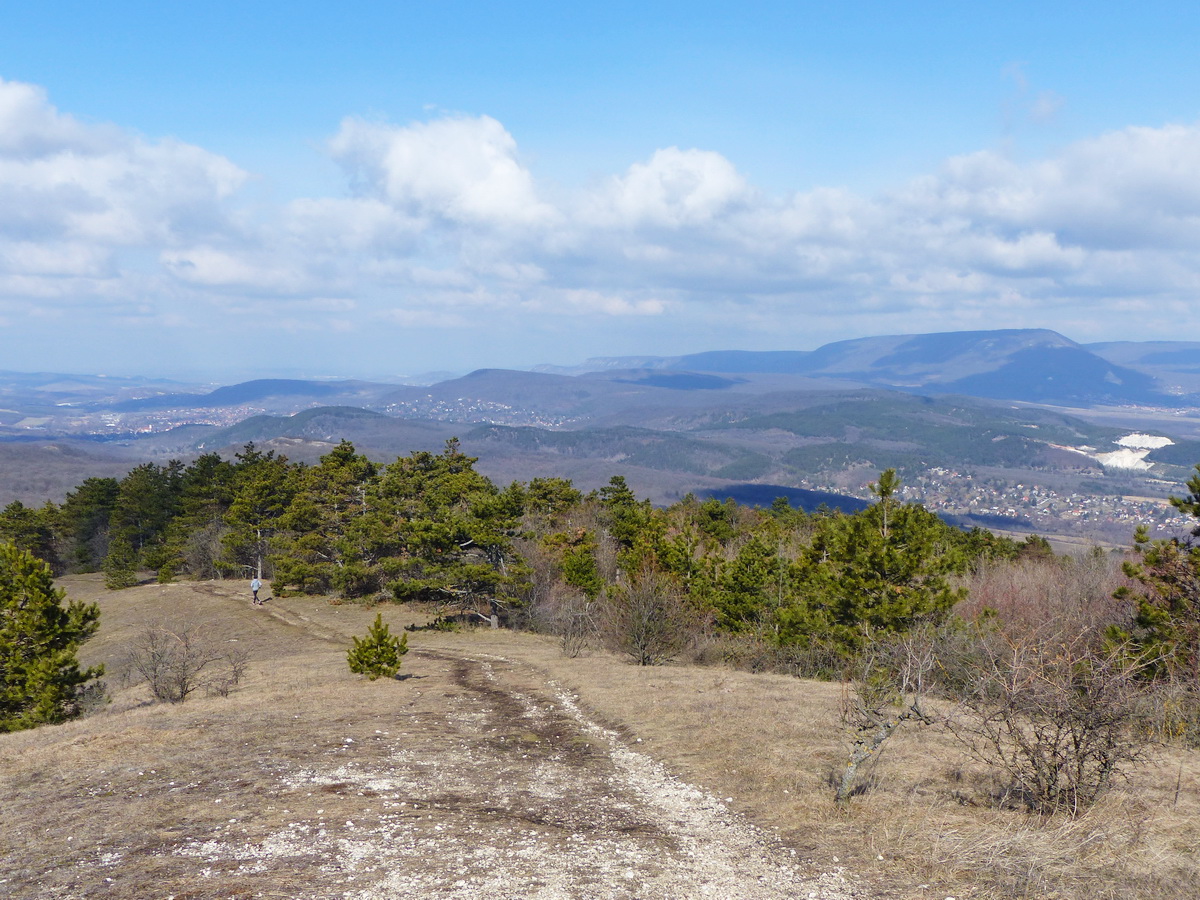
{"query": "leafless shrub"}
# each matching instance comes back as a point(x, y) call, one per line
point(1060, 717)
point(607, 551)
point(886, 691)
point(92, 698)
point(176, 662)
point(537, 609)
point(647, 618)
point(203, 550)
point(576, 622)
point(1074, 592)
point(1174, 713)
point(229, 675)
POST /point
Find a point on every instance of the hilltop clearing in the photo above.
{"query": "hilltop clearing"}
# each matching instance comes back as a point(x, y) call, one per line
point(475, 776)
point(496, 767)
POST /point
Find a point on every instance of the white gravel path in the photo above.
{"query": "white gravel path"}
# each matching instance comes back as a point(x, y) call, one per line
point(538, 825)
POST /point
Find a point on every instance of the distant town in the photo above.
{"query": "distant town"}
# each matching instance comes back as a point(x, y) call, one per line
point(1106, 518)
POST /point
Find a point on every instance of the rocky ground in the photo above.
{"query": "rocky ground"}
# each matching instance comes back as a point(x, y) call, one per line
point(475, 777)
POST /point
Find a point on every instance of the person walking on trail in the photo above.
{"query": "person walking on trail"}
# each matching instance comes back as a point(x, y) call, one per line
point(255, 587)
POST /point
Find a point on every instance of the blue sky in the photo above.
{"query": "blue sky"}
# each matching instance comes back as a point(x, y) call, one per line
point(227, 190)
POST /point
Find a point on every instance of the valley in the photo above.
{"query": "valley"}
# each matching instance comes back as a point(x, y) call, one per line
point(1016, 430)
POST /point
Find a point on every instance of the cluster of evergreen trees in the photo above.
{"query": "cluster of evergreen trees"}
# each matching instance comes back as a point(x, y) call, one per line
point(430, 527)
point(828, 591)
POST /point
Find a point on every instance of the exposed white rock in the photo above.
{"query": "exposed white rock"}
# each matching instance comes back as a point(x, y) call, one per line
point(1144, 441)
point(1132, 455)
point(1124, 459)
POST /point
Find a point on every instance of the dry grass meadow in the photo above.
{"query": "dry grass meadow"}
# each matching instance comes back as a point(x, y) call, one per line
point(143, 799)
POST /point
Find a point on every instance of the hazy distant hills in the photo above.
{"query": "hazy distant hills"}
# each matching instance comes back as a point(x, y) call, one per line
point(1034, 365)
point(1010, 407)
point(34, 392)
point(270, 393)
point(718, 439)
point(1031, 365)
point(1175, 363)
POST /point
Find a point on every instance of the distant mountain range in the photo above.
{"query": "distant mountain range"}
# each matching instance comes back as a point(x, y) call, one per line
point(1015, 407)
point(1030, 365)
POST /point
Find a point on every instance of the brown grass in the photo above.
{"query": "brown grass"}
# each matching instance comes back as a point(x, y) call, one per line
point(94, 807)
point(925, 826)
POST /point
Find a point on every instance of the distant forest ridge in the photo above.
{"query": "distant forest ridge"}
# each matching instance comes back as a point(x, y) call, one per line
point(763, 495)
point(797, 498)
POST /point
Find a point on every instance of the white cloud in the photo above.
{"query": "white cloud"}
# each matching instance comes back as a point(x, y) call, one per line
point(59, 259)
point(462, 169)
point(82, 206)
point(424, 318)
point(31, 128)
point(581, 301)
point(1134, 187)
point(211, 267)
point(674, 188)
point(447, 227)
point(352, 225)
point(60, 178)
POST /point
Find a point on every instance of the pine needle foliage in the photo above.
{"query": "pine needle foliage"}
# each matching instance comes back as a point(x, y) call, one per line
point(40, 678)
point(378, 654)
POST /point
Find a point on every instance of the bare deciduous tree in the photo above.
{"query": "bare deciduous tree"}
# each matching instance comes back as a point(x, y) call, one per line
point(886, 691)
point(648, 619)
point(575, 621)
point(178, 661)
point(203, 549)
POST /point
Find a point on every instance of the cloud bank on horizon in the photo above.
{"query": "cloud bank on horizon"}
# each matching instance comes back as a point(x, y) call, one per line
point(446, 250)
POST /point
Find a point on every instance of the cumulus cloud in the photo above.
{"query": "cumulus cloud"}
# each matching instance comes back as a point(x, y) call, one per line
point(462, 169)
point(61, 178)
point(444, 225)
point(216, 268)
point(30, 127)
point(1130, 188)
point(83, 206)
point(582, 301)
point(674, 188)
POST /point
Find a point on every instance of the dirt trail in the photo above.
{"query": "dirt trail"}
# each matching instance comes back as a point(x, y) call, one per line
point(517, 793)
point(478, 778)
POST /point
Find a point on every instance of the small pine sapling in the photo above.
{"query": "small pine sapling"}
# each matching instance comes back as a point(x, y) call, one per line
point(378, 654)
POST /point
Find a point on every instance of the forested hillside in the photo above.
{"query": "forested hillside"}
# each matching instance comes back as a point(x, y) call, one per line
point(429, 527)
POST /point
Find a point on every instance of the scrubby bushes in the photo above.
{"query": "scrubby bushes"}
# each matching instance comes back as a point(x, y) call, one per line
point(1058, 717)
point(828, 595)
point(179, 660)
point(647, 619)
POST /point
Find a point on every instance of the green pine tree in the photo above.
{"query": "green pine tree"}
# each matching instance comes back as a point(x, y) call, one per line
point(316, 542)
point(878, 571)
point(1166, 622)
point(32, 529)
point(84, 519)
point(378, 655)
point(40, 678)
point(264, 485)
point(120, 564)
